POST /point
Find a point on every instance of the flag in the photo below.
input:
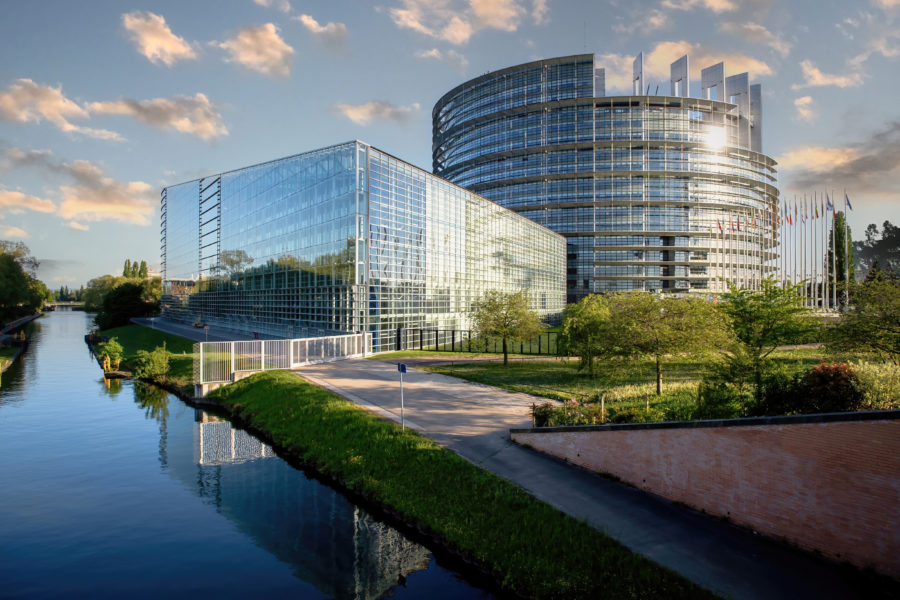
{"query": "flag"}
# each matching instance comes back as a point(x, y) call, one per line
point(847, 201)
point(829, 205)
point(719, 223)
point(731, 222)
point(817, 212)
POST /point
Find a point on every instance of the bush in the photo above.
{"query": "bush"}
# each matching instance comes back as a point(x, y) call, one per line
point(153, 364)
point(831, 388)
point(541, 414)
point(110, 354)
point(718, 401)
point(637, 415)
point(783, 394)
point(879, 384)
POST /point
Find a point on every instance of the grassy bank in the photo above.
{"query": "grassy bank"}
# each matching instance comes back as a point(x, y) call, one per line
point(531, 549)
point(137, 337)
point(6, 355)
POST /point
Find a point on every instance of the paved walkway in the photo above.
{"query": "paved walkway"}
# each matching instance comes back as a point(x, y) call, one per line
point(473, 420)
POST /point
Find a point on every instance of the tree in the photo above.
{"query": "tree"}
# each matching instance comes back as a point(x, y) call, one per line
point(507, 316)
point(840, 256)
point(21, 293)
point(97, 289)
point(13, 288)
point(142, 270)
point(121, 304)
point(652, 325)
point(585, 330)
point(126, 268)
point(761, 320)
point(872, 323)
point(882, 249)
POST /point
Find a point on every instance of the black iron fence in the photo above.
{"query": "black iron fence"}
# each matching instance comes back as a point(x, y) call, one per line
point(462, 340)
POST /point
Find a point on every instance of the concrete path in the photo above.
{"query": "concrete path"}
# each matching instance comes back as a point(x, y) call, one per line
point(473, 420)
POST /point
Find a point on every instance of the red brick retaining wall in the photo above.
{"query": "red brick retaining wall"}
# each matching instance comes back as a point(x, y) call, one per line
point(825, 482)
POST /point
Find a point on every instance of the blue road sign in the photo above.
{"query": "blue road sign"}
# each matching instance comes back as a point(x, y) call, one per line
point(402, 367)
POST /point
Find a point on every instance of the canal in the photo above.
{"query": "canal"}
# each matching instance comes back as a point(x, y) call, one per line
point(120, 489)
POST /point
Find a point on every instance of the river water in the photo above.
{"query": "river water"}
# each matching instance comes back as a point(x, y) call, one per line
point(122, 490)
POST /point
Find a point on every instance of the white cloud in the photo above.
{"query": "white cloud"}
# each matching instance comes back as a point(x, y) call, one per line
point(813, 77)
point(456, 22)
point(96, 197)
point(451, 57)
point(717, 6)
point(805, 110)
point(643, 20)
point(77, 226)
point(757, 34)
point(26, 101)
point(17, 202)
point(282, 5)
point(193, 115)
point(155, 40)
point(658, 61)
point(332, 35)
point(89, 195)
point(497, 14)
point(539, 11)
point(886, 4)
point(8, 231)
point(260, 49)
point(377, 110)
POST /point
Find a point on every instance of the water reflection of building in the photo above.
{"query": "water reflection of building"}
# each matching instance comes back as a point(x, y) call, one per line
point(217, 443)
point(331, 544)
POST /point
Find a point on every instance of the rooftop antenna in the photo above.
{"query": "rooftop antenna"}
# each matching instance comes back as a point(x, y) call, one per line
point(585, 36)
point(656, 91)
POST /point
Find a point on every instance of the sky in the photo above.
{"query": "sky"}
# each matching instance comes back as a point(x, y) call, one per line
point(104, 103)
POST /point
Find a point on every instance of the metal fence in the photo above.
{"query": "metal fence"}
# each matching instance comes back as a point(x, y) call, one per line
point(216, 362)
point(462, 340)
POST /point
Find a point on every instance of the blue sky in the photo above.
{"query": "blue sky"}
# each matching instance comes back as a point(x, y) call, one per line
point(104, 103)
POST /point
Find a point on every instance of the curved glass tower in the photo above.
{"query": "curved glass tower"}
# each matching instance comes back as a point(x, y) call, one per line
point(664, 193)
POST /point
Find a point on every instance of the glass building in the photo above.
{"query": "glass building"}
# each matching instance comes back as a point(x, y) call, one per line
point(345, 239)
point(666, 193)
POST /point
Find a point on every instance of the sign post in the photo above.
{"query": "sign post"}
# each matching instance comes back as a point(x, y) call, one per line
point(402, 368)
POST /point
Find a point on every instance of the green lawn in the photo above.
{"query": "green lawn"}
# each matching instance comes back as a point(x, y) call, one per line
point(532, 549)
point(628, 387)
point(138, 337)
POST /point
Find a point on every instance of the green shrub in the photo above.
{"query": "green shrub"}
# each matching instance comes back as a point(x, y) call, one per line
point(879, 384)
point(783, 394)
point(718, 401)
point(541, 414)
point(110, 353)
point(152, 364)
point(637, 415)
point(831, 388)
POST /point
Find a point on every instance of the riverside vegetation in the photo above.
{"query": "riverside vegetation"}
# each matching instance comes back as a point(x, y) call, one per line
point(529, 548)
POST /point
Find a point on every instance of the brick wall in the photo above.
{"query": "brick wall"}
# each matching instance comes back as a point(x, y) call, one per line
point(828, 482)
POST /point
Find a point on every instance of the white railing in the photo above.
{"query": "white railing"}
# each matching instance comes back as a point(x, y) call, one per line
point(219, 362)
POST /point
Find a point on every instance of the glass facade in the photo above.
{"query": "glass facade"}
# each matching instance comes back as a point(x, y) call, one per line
point(345, 239)
point(651, 192)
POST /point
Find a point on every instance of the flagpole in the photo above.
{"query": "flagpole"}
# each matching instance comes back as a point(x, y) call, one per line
point(847, 246)
point(833, 262)
point(815, 254)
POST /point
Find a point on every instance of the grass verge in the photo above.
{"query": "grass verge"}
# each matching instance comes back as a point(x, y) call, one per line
point(6, 355)
point(529, 548)
point(138, 337)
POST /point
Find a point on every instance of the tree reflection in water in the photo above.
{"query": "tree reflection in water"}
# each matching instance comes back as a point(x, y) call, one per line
point(154, 401)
